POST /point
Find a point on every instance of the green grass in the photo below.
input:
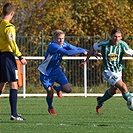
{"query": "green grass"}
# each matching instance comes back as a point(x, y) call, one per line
point(75, 115)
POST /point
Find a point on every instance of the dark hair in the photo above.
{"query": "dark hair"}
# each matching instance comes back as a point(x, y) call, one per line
point(7, 9)
point(116, 29)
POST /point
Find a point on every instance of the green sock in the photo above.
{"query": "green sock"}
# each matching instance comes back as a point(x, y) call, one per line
point(105, 97)
point(126, 95)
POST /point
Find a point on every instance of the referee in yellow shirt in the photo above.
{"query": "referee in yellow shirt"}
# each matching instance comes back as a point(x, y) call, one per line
point(8, 51)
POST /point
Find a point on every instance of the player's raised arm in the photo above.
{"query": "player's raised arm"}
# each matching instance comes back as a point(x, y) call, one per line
point(89, 54)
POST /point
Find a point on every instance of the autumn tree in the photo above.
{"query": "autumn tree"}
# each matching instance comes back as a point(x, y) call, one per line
point(75, 17)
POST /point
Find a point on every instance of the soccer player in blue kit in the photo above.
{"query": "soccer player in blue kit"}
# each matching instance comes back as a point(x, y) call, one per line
point(50, 69)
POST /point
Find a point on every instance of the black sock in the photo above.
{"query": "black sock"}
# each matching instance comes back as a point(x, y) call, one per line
point(0, 92)
point(13, 101)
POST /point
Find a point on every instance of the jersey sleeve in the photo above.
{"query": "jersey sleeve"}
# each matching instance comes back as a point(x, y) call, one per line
point(127, 49)
point(53, 47)
point(69, 46)
point(68, 49)
point(11, 37)
point(97, 47)
point(71, 52)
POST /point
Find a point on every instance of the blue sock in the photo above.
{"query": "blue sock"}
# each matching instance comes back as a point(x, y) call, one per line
point(49, 102)
point(13, 101)
point(126, 95)
point(59, 88)
point(105, 97)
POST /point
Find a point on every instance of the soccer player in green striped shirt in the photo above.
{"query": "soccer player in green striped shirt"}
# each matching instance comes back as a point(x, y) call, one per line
point(112, 52)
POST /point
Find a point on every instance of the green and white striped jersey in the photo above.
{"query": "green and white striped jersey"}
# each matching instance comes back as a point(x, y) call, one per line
point(113, 54)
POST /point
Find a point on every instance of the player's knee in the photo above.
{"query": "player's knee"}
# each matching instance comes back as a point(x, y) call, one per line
point(13, 85)
point(116, 91)
point(50, 92)
point(113, 90)
point(123, 88)
point(68, 90)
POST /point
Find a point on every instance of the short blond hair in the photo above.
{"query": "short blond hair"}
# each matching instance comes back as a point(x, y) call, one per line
point(57, 33)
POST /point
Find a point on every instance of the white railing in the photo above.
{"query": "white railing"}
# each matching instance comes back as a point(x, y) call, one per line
point(64, 58)
point(85, 94)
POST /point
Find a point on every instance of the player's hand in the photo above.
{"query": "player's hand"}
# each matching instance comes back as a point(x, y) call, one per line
point(85, 52)
point(82, 64)
point(23, 61)
point(96, 54)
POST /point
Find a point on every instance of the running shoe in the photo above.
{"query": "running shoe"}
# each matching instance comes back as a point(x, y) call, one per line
point(51, 111)
point(59, 93)
point(99, 106)
point(17, 118)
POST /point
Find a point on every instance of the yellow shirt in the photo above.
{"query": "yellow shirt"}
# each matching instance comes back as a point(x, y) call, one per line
point(8, 38)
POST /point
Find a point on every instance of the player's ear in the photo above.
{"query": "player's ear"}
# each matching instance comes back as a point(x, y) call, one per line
point(12, 13)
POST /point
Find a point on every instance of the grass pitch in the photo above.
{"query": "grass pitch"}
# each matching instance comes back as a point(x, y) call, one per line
point(74, 115)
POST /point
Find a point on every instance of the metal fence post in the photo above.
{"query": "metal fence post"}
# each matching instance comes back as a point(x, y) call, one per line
point(85, 80)
point(24, 81)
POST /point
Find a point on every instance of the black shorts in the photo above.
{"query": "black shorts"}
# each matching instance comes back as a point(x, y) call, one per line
point(8, 67)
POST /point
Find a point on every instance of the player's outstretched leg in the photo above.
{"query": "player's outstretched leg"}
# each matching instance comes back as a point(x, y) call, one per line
point(101, 100)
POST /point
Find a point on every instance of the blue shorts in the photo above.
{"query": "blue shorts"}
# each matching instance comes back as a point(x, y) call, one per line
point(48, 81)
point(8, 67)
